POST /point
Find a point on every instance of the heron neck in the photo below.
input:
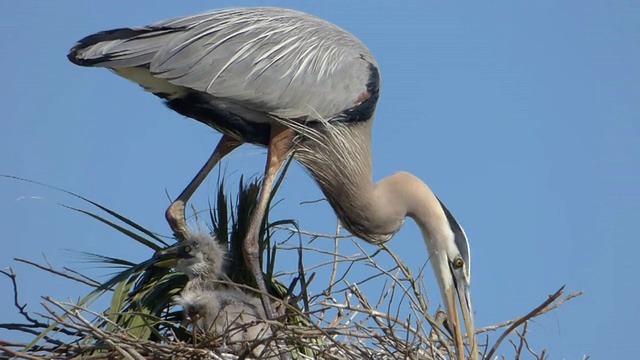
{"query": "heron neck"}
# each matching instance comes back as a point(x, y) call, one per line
point(404, 193)
point(341, 165)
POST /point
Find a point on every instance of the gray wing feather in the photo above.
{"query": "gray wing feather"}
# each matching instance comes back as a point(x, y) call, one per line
point(278, 61)
point(122, 52)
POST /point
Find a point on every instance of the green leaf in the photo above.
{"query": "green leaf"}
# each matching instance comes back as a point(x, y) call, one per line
point(121, 229)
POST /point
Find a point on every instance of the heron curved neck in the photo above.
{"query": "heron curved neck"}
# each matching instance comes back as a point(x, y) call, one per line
point(404, 194)
point(342, 167)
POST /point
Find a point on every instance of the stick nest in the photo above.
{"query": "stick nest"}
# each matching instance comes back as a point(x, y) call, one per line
point(340, 322)
point(344, 301)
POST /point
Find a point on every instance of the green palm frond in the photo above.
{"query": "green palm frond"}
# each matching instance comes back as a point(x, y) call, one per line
point(107, 261)
point(142, 295)
point(148, 290)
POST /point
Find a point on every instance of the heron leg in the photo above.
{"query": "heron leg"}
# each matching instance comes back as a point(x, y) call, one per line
point(175, 214)
point(195, 332)
point(280, 145)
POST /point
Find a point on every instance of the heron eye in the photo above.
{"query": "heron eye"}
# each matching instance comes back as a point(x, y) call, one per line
point(458, 263)
point(187, 249)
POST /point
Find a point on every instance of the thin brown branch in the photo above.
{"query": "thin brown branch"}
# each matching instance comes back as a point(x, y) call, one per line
point(526, 343)
point(522, 339)
point(334, 268)
point(33, 324)
point(52, 270)
point(312, 234)
point(340, 322)
point(535, 312)
point(94, 283)
point(542, 312)
point(17, 354)
point(16, 301)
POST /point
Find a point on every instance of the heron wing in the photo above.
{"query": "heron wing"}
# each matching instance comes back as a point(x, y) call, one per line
point(278, 61)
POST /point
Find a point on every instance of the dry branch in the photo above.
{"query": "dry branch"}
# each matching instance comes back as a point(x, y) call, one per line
point(341, 321)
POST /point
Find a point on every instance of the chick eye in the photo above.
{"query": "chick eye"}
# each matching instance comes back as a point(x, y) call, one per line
point(187, 249)
point(458, 263)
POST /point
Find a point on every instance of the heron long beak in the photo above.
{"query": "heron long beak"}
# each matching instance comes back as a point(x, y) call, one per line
point(464, 296)
point(166, 257)
point(453, 320)
point(452, 294)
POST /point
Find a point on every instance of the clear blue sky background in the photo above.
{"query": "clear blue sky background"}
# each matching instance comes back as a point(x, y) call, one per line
point(523, 117)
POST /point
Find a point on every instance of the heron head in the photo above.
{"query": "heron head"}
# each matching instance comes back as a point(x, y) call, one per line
point(451, 262)
point(200, 255)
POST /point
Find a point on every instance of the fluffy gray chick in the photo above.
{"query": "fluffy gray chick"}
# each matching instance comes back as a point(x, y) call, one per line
point(213, 308)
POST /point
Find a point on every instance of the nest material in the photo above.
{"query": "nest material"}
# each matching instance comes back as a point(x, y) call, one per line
point(372, 306)
point(339, 323)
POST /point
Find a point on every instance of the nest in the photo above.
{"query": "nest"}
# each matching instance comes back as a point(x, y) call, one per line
point(369, 304)
point(339, 323)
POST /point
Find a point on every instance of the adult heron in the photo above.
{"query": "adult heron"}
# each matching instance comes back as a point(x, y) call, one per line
point(287, 80)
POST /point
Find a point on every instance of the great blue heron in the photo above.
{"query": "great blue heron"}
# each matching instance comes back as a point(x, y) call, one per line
point(229, 313)
point(212, 307)
point(287, 80)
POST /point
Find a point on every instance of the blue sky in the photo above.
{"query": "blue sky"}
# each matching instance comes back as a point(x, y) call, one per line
point(523, 117)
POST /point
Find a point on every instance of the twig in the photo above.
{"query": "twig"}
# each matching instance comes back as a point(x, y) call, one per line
point(312, 234)
point(526, 343)
point(522, 339)
point(16, 302)
point(56, 272)
point(34, 324)
point(362, 328)
point(535, 312)
point(542, 312)
point(17, 354)
point(334, 268)
point(82, 276)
